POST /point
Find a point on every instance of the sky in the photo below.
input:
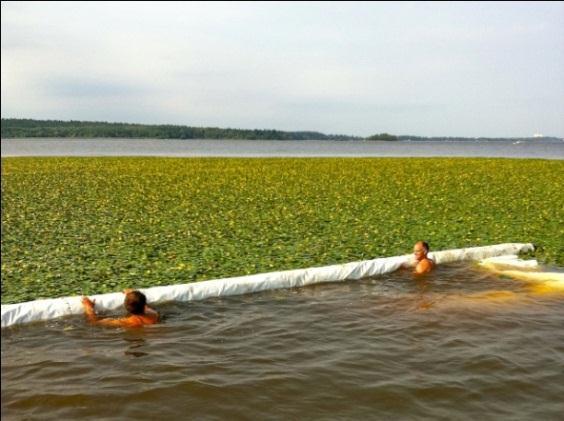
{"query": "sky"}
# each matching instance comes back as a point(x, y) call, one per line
point(493, 69)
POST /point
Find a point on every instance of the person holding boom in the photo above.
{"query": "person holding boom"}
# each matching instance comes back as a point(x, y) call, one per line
point(135, 302)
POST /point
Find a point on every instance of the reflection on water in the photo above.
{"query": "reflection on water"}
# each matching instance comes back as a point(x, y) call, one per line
point(457, 343)
point(135, 345)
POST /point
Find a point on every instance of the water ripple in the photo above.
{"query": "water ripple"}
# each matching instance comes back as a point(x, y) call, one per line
point(385, 347)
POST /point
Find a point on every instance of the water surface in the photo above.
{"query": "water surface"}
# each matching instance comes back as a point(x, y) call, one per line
point(547, 149)
point(457, 344)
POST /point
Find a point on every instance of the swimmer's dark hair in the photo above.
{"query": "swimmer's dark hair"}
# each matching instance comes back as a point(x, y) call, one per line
point(425, 245)
point(135, 302)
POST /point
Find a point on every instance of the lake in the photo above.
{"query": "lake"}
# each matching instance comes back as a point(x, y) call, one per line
point(545, 149)
point(460, 343)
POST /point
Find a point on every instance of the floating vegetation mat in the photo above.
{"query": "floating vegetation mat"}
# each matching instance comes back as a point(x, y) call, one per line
point(95, 225)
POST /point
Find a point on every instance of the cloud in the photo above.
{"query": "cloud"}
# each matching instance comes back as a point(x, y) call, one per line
point(335, 67)
point(73, 87)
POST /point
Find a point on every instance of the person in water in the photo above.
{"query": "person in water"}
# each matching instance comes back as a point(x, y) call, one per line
point(135, 303)
point(424, 264)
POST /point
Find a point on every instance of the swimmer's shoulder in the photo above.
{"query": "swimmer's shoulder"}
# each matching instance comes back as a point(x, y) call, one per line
point(424, 266)
point(142, 319)
point(130, 321)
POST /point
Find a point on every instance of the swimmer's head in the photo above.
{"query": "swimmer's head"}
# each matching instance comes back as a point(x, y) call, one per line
point(420, 250)
point(135, 302)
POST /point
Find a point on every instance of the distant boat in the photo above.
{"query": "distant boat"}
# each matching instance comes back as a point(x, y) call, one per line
point(538, 135)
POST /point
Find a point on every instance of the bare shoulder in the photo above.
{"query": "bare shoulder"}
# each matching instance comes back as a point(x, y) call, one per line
point(121, 322)
point(424, 266)
point(130, 321)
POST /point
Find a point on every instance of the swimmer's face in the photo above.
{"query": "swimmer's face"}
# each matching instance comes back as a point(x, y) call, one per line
point(419, 251)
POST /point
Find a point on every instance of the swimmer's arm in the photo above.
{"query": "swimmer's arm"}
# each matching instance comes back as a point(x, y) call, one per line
point(88, 305)
point(93, 318)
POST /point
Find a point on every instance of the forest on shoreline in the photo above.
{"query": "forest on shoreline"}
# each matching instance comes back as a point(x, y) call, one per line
point(29, 128)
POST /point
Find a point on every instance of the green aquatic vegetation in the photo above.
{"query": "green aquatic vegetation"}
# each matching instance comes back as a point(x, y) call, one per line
point(94, 225)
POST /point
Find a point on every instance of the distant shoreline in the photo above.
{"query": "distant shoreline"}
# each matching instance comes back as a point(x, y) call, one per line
point(12, 128)
point(401, 139)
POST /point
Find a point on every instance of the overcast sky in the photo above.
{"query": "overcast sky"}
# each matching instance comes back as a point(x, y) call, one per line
point(429, 69)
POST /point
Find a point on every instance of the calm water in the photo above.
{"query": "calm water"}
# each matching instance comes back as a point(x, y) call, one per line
point(459, 344)
point(260, 148)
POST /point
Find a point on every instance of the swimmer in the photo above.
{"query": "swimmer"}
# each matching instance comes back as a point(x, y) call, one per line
point(424, 264)
point(135, 303)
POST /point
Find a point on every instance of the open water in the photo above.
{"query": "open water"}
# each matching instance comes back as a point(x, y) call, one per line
point(460, 344)
point(546, 149)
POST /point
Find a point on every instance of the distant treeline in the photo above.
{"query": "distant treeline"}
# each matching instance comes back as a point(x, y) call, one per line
point(386, 136)
point(15, 127)
point(450, 139)
point(12, 127)
point(382, 136)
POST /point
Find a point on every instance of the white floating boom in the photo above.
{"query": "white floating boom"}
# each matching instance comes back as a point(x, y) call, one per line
point(49, 309)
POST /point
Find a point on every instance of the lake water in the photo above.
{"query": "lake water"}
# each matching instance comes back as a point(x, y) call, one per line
point(545, 149)
point(460, 344)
